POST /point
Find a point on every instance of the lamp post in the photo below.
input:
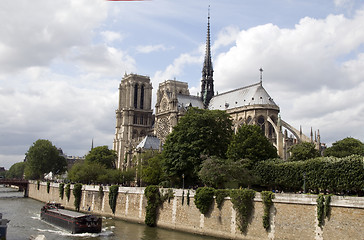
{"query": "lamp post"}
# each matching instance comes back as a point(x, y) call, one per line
point(304, 182)
point(183, 181)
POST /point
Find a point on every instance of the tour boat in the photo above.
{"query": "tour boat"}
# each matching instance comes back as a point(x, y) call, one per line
point(74, 222)
point(3, 226)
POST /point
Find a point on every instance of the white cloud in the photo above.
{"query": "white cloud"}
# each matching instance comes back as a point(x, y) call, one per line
point(34, 33)
point(176, 67)
point(110, 36)
point(104, 60)
point(151, 48)
point(304, 70)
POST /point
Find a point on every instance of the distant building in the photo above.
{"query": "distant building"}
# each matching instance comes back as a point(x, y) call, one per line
point(71, 160)
point(246, 105)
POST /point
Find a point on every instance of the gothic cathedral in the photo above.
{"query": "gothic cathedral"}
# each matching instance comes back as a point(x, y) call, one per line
point(135, 122)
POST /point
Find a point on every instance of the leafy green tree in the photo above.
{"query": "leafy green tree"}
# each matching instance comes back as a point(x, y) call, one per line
point(250, 143)
point(86, 172)
point(42, 157)
point(226, 173)
point(16, 170)
point(102, 155)
point(214, 172)
point(303, 151)
point(345, 147)
point(152, 171)
point(199, 132)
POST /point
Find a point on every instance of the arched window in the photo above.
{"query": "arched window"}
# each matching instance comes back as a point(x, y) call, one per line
point(261, 122)
point(135, 134)
point(136, 96)
point(142, 97)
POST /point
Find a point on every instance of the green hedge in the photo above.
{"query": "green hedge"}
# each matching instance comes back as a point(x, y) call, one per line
point(61, 190)
point(153, 201)
point(77, 192)
point(113, 196)
point(242, 200)
point(204, 198)
point(320, 174)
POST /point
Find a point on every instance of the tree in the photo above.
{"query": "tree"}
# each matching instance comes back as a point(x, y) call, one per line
point(86, 172)
point(16, 170)
point(345, 147)
point(152, 172)
point(102, 155)
point(199, 132)
point(303, 151)
point(250, 143)
point(42, 157)
point(226, 173)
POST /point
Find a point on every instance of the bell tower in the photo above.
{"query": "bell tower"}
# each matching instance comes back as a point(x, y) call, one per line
point(133, 116)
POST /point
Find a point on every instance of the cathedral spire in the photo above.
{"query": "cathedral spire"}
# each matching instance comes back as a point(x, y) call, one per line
point(207, 82)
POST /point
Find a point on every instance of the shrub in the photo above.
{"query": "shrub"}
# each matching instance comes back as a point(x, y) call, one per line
point(77, 192)
point(113, 195)
point(153, 201)
point(220, 196)
point(48, 186)
point(68, 191)
point(61, 190)
point(204, 197)
point(242, 200)
point(320, 209)
point(38, 184)
point(101, 191)
point(267, 198)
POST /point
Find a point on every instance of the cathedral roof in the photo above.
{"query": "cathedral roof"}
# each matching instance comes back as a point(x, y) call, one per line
point(149, 142)
point(185, 101)
point(247, 96)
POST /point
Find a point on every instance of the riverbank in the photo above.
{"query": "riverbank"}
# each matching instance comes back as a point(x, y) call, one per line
point(293, 216)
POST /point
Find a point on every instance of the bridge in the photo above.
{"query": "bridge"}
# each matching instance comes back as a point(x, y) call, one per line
point(21, 183)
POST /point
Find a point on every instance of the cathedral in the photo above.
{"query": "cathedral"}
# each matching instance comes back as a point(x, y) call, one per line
point(138, 129)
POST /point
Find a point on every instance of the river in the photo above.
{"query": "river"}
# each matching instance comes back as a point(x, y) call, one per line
point(24, 216)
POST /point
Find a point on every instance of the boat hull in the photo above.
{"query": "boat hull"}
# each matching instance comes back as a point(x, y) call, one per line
point(81, 223)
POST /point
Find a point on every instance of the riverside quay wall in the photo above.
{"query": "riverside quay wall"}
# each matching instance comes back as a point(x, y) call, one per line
point(293, 216)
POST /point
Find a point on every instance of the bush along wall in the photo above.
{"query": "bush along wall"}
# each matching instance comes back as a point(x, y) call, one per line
point(77, 192)
point(320, 174)
point(68, 191)
point(101, 192)
point(323, 208)
point(113, 196)
point(242, 200)
point(48, 186)
point(267, 199)
point(38, 184)
point(204, 198)
point(220, 195)
point(61, 190)
point(153, 201)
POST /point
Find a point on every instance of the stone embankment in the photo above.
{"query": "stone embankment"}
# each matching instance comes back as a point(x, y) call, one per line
point(293, 216)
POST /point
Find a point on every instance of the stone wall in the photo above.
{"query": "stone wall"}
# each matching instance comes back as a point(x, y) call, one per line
point(293, 216)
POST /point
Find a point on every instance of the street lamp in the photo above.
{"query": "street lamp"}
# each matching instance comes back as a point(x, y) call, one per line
point(183, 180)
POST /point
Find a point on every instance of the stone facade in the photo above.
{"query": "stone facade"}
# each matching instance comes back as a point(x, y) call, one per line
point(293, 216)
point(134, 118)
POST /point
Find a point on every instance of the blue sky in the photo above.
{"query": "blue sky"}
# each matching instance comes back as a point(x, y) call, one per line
point(61, 62)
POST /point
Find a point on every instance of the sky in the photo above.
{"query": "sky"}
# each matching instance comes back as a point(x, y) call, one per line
point(61, 62)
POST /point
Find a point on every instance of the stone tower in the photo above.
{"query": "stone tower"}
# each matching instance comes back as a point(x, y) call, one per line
point(167, 108)
point(207, 81)
point(133, 116)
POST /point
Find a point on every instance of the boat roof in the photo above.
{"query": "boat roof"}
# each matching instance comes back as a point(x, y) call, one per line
point(68, 213)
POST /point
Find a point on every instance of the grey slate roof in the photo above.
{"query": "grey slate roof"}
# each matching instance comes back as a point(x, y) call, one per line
point(251, 95)
point(185, 101)
point(149, 142)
